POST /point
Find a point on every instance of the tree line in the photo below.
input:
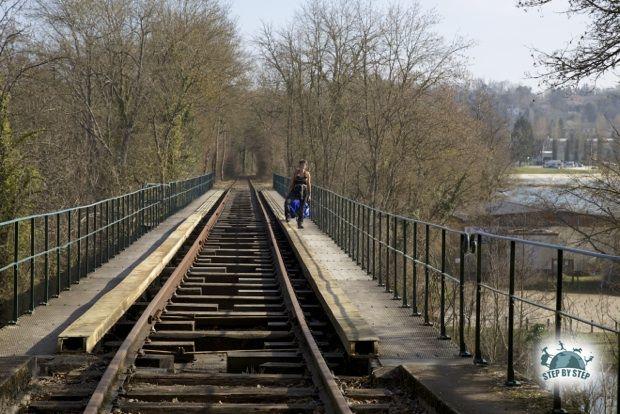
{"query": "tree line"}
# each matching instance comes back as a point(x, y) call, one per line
point(100, 97)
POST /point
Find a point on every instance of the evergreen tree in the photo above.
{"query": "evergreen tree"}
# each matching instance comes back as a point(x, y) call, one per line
point(523, 145)
point(561, 129)
point(576, 145)
point(567, 148)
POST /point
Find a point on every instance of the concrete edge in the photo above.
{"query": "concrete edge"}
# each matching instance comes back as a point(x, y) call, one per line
point(368, 341)
point(432, 401)
point(17, 381)
point(92, 335)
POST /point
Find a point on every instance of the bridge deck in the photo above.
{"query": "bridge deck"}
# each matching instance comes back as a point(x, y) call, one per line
point(449, 383)
point(37, 334)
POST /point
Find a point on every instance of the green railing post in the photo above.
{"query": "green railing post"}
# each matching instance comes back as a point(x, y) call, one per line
point(427, 321)
point(127, 220)
point(463, 248)
point(374, 244)
point(478, 359)
point(112, 225)
point(79, 245)
point(338, 219)
point(442, 306)
point(32, 267)
point(113, 228)
point(46, 263)
point(367, 213)
point(332, 216)
point(353, 231)
point(138, 214)
point(58, 287)
point(387, 253)
point(557, 399)
point(147, 208)
point(169, 199)
point(87, 239)
point(142, 229)
point(107, 230)
point(117, 226)
point(358, 227)
point(123, 223)
point(510, 373)
point(349, 227)
point(414, 273)
point(322, 203)
point(134, 217)
point(405, 292)
point(160, 203)
point(395, 257)
point(99, 236)
point(159, 191)
point(380, 252)
point(68, 250)
point(15, 273)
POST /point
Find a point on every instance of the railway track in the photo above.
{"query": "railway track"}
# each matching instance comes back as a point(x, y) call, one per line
point(232, 327)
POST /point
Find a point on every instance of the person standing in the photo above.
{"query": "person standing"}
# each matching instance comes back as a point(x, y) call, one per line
point(300, 189)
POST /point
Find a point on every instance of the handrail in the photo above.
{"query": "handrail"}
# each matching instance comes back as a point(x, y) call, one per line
point(71, 242)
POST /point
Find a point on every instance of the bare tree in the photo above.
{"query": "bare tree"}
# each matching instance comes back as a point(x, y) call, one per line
point(367, 94)
point(594, 53)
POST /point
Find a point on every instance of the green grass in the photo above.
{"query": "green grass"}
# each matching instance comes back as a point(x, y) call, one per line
point(540, 170)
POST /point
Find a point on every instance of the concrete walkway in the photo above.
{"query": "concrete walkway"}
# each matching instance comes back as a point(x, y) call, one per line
point(36, 334)
point(447, 382)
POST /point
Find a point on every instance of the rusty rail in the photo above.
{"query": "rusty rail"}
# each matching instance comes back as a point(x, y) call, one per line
point(328, 387)
point(329, 391)
point(141, 329)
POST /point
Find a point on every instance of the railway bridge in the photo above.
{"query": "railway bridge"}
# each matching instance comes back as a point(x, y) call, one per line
point(197, 296)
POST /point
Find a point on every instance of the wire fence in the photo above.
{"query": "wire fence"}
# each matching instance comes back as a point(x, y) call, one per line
point(44, 254)
point(514, 291)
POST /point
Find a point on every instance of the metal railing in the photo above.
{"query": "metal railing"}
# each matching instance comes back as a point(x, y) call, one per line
point(44, 254)
point(415, 260)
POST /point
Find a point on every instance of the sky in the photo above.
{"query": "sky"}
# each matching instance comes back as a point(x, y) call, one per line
point(503, 34)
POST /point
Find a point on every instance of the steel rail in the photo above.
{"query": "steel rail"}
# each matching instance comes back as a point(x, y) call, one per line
point(130, 346)
point(337, 402)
